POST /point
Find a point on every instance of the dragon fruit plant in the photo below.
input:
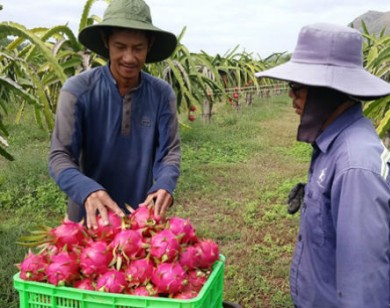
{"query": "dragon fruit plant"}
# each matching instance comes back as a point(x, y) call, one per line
point(137, 255)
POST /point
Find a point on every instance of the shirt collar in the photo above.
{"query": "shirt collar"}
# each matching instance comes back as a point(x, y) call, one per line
point(348, 117)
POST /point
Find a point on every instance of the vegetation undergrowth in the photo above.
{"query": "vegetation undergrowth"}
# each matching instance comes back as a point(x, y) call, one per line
point(236, 174)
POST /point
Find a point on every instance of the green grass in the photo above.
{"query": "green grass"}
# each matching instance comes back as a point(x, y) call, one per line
point(236, 174)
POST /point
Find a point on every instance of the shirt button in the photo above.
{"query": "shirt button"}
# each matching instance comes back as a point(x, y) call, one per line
point(299, 237)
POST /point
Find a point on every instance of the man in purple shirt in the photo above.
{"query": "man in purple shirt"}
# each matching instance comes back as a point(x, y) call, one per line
point(116, 138)
point(342, 255)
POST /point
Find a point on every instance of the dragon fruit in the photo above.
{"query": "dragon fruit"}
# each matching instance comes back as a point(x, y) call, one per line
point(63, 268)
point(137, 254)
point(164, 246)
point(139, 272)
point(148, 290)
point(67, 235)
point(169, 278)
point(195, 280)
point(84, 284)
point(70, 234)
point(33, 267)
point(186, 295)
point(183, 229)
point(189, 257)
point(143, 217)
point(106, 232)
point(112, 281)
point(95, 258)
point(208, 253)
point(128, 245)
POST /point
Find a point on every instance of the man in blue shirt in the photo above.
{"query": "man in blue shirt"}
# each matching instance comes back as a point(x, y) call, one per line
point(116, 139)
point(342, 255)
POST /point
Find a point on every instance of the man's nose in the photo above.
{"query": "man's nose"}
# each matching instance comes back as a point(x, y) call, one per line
point(128, 55)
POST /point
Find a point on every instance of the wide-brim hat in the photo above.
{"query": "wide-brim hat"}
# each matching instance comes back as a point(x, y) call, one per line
point(129, 14)
point(328, 55)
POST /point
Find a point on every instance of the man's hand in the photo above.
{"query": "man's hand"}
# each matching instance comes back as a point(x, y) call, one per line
point(161, 200)
point(99, 201)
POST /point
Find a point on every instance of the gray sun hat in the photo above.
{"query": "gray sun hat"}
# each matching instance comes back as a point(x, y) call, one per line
point(328, 55)
point(129, 14)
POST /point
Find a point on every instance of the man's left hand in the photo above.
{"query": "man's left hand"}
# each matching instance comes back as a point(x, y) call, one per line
point(160, 200)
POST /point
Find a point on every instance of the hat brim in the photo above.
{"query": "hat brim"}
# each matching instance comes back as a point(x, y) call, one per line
point(163, 46)
point(354, 81)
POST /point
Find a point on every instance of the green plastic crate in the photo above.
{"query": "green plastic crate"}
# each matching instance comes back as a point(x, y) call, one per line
point(44, 295)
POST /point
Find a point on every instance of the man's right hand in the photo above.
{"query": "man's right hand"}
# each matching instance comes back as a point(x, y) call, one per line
point(98, 202)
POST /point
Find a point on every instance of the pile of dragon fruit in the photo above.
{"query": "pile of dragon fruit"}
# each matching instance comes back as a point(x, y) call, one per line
point(137, 255)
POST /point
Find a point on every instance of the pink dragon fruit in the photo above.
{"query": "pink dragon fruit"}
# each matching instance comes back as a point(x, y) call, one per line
point(70, 234)
point(139, 272)
point(112, 281)
point(63, 268)
point(183, 229)
point(128, 245)
point(84, 284)
point(186, 295)
point(164, 246)
point(33, 267)
point(148, 290)
point(189, 257)
point(95, 258)
point(169, 278)
point(143, 217)
point(195, 280)
point(208, 253)
point(106, 232)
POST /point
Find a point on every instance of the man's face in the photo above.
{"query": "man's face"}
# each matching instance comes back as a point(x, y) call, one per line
point(298, 94)
point(128, 50)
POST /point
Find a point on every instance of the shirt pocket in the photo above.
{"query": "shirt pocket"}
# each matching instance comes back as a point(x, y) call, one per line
point(314, 218)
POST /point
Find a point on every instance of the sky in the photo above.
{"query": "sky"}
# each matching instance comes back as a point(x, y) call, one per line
point(259, 27)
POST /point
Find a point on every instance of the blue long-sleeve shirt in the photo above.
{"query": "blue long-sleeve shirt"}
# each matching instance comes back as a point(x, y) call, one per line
point(342, 256)
point(128, 146)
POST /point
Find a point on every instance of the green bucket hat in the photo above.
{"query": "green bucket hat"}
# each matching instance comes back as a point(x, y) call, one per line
point(130, 14)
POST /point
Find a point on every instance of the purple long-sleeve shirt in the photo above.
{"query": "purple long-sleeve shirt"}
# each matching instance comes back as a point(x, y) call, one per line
point(128, 146)
point(342, 255)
